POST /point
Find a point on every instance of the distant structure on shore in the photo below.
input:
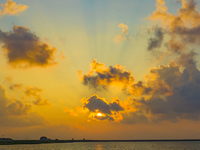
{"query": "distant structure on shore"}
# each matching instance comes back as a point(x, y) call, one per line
point(43, 138)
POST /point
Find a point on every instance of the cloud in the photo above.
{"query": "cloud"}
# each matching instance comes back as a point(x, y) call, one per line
point(119, 38)
point(102, 77)
point(175, 46)
point(3, 101)
point(9, 107)
point(95, 105)
point(184, 104)
point(24, 49)
point(124, 28)
point(156, 42)
point(170, 92)
point(8, 79)
point(71, 112)
point(41, 102)
point(33, 91)
point(18, 108)
point(16, 86)
point(187, 60)
point(183, 27)
point(14, 113)
point(123, 36)
point(183, 80)
point(11, 8)
point(62, 56)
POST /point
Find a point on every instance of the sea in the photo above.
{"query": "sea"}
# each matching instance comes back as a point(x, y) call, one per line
point(169, 145)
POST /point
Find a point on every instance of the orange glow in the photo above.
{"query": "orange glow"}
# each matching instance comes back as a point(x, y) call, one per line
point(99, 115)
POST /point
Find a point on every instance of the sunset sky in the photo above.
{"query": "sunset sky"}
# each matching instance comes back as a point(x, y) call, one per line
point(100, 69)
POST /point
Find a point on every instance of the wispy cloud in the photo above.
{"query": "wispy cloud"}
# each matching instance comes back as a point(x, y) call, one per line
point(16, 86)
point(123, 36)
point(33, 91)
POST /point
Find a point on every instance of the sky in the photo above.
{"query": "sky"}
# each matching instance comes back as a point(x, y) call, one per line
point(109, 69)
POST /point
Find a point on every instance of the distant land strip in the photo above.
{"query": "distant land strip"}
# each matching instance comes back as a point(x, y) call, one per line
point(13, 142)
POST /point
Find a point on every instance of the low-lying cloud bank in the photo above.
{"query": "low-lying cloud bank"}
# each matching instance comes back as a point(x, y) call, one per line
point(14, 113)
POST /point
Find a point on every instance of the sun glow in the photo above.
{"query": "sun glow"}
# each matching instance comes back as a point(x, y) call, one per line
point(99, 115)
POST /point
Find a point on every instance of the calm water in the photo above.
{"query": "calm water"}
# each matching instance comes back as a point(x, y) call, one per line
point(190, 145)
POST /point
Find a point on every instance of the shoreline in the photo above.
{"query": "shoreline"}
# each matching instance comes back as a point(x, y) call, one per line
point(15, 142)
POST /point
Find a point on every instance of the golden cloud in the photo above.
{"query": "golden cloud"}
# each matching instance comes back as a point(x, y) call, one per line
point(11, 8)
point(102, 77)
point(123, 36)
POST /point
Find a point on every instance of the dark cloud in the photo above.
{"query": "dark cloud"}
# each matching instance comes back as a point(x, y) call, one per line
point(115, 106)
point(183, 102)
point(95, 103)
point(108, 110)
point(24, 49)
point(156, 42)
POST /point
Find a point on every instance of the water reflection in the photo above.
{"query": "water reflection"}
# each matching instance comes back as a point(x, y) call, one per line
point(186, 145)
point(99, 147)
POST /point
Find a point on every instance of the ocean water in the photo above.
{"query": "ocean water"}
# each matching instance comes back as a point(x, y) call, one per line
point(186, 145)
